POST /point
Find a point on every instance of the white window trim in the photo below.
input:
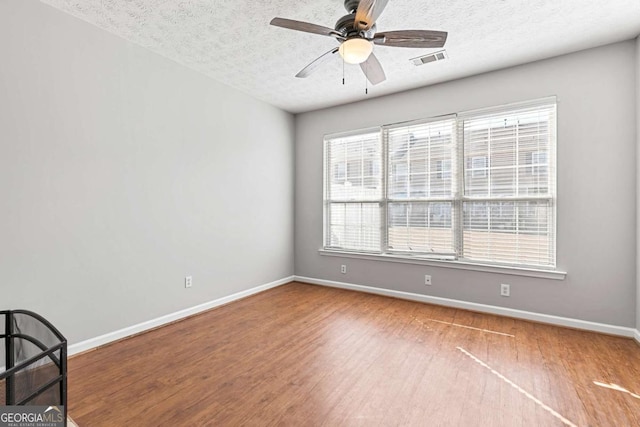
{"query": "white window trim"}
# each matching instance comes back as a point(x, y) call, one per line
point(456, 263)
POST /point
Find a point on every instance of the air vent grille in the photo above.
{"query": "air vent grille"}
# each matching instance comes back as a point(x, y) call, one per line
point(432, 57)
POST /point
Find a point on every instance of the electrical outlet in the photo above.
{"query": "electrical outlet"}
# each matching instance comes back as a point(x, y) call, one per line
point(505, 290)
point(343, 269)
point(427, 280)
point(188, 281)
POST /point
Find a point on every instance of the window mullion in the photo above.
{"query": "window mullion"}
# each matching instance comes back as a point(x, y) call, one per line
point(517, 162)
point(459, 182)
point(384, 220)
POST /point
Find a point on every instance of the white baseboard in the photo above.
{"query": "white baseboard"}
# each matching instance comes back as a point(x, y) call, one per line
point(637, 335)
point(502, 311)
point(172, 317)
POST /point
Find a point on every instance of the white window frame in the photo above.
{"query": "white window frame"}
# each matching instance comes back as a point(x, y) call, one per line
point(458, 170)
point(412, 198)
point(329, 201)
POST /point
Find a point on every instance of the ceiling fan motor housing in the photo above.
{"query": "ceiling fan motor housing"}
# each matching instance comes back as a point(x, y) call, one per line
point(346, 26)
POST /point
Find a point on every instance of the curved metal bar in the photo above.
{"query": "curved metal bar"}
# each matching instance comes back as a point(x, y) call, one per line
point(41, 319)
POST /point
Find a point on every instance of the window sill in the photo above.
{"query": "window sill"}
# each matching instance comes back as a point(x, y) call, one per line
point(460, 265)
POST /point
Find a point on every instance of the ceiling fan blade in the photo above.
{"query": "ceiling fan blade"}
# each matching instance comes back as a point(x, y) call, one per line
point(373, 70)
point(306, 71)
point(368, 12)
point(411, 38)
point(304, 26)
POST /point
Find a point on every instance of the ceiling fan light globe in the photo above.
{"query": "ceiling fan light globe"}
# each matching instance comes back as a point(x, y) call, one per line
point(356, 50)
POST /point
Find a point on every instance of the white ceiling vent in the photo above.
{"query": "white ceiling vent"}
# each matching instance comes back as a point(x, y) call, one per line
point(432, 57)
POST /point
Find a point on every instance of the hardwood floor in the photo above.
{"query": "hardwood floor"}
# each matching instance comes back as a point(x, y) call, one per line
point(305, 355)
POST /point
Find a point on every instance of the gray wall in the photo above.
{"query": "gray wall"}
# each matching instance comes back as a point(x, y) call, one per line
point(122, 171)
point(596, 185)
point(638, 182)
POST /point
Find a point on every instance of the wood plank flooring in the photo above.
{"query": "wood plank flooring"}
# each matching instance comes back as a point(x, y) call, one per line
point(304, 355)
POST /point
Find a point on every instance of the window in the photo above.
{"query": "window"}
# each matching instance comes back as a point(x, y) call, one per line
point(538, 162)
point(354, 192)
point(477, 166)
point(420, 195)
point(444, 169)
point(477, 186)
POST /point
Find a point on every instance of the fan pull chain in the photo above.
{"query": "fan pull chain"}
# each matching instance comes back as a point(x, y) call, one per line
point(342, 71)
point(366, 80)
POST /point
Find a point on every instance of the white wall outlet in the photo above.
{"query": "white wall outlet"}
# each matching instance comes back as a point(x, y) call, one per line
point(427, 280)
point(505, 290)
point(188, 281)
point(343, 269)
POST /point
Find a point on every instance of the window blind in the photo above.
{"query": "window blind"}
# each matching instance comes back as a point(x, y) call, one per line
point(509, 194)
point(477, 186)
point(353, 171)
point(420, 188)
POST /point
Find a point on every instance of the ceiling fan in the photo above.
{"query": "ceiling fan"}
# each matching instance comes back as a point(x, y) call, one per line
point(357, 34)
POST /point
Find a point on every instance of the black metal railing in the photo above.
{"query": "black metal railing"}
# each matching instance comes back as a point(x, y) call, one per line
point(35, 359)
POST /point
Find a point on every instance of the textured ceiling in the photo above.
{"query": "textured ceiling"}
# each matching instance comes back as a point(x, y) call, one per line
point(232, 41)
